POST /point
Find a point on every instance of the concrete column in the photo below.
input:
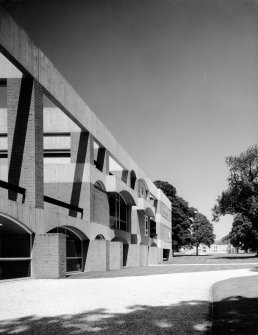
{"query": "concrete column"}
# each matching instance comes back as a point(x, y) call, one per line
point(144, 255)
point(115, 255)
point(134, 255)
point(160, 255)
point(106, 164)
point(25, 139)
point(49, 256)
point(97, 256)
point(153, 255)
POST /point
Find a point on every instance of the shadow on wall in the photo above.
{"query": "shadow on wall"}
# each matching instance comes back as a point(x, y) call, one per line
point(235, 315)
point(191, 317)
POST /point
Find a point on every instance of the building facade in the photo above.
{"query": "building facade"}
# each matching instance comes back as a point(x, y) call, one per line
point(71, 198)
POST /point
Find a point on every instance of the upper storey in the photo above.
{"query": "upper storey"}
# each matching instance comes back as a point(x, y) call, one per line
point(29, 59)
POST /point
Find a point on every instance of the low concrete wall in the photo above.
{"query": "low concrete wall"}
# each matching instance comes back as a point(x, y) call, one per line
point(153, 255)
point(97, 256)
point(144, 255)
point(115, 255)
point(160, 255)
point(49, 256)
point(134, 255)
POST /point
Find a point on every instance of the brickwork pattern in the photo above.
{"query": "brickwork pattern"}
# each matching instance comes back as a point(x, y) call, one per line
point(49, 256)
point(25, 139)
point(101, 207)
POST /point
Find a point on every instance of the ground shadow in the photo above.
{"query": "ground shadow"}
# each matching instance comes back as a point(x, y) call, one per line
point(191, 317)
point(235, 315)
point(235, 306)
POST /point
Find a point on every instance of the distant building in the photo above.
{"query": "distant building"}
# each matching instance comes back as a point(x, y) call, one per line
point(213, 249)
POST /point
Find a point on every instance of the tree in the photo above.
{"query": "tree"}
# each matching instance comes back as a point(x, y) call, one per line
point(181, 216)
point(242, 234)
point(241, 196)
point(202, 231)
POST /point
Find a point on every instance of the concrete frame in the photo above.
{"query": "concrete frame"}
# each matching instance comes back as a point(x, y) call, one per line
point(16, 45)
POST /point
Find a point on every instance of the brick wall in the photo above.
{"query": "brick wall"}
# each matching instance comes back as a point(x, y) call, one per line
point(25, 138)
point(100, 207)
point(49, 256)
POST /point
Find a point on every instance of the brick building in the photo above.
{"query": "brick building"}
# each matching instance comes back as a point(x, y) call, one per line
point(71, 198)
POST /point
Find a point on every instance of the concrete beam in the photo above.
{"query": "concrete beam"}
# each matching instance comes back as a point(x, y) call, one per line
point(16, 45)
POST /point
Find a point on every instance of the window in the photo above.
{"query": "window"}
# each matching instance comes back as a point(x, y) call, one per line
point(143, 191)
point(57, 148)
point(132, 179)
point(119, 212)
point(146, 225)
point(3, 146)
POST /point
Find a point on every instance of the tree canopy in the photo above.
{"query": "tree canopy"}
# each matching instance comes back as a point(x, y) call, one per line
point(202, 231)
point(241, 195)
point(242, 234)
point(182, 215)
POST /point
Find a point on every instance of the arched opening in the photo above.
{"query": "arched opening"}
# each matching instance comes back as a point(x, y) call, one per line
point(132, 179)
point(15, 248)
point(143, 191)
point(100, 185)
point(100, 208)
point(100, 237)
point(75, 247)
point(119, 211)
point(125, 248)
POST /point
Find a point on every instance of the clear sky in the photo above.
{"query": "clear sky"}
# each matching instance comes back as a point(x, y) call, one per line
point(175, 81)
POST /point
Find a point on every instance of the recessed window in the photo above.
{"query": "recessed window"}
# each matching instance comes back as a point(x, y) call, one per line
point(146, 225)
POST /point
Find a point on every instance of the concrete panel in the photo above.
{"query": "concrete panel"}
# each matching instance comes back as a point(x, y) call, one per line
point(160, 255)
point(134, 255)
point(96, 258)
point(144, 255)
point(115, 255)
point(49, 256)
point(153, 255)
point(26, 55)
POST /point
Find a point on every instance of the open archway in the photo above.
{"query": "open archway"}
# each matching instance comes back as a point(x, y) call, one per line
point(15, 248)
point(99, 237)
point(76, 247)
point(125, 248)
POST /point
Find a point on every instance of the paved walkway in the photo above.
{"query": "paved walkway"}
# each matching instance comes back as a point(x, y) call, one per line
point(153, 303)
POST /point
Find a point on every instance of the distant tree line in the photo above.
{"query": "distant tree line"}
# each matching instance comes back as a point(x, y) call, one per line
point(189, 227)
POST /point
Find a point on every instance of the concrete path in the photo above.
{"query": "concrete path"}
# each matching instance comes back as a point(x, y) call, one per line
point(173, 303)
